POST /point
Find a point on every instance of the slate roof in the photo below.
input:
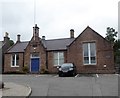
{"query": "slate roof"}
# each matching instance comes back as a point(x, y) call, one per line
point(55, 44)
point(18, 47)
point(1, 44)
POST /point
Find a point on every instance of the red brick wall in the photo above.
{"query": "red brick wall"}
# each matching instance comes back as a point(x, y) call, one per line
point(104, 52)
point(7, 61)
point(51, 67)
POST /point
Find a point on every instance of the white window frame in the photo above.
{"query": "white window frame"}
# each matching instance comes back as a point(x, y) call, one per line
point(14, 60)
point(89, 54)
point(32, 56)
point(58, 58)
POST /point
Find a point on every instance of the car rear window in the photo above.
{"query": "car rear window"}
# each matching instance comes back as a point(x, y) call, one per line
point(67, 65)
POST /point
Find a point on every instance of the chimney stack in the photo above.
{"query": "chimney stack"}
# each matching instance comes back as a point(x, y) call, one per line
point(72, 33)
point(18, 38)
point(43, 37)
point(6, 38)
point(36, 31)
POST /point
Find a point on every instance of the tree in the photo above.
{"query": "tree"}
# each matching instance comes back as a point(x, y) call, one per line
point(117, 51)
point(117, 46)
point(11, 42)
point(111, 34)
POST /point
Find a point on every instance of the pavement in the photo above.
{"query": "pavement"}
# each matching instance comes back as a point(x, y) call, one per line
point(13, 89)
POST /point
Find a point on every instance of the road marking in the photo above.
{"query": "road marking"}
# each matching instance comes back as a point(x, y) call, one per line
point(97, 75)
point(117, 74)
point(39, 75)
point(77, 75)
point(56, 76)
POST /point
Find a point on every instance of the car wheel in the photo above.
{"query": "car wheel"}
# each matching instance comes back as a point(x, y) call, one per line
point(60, 74)
point(74, 73)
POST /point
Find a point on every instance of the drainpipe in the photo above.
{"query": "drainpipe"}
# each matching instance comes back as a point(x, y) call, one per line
point(46, 59)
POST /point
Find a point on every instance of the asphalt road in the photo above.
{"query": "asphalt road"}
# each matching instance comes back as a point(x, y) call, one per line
point(52, 85)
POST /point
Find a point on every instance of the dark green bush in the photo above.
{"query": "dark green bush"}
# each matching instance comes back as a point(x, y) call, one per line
point(44, 71)
point(25, 69)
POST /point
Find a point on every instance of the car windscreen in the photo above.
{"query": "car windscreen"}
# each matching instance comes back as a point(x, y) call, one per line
point(67, 65)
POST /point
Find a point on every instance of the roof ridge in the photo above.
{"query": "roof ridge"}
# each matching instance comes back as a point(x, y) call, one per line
point(59, 39)
point(24, 42)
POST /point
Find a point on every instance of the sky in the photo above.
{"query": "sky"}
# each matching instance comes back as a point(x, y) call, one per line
point(55, 18)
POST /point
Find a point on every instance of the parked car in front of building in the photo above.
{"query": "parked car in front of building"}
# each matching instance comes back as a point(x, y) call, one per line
point(67, 69)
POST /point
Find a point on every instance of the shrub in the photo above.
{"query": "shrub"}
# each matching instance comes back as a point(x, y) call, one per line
point(44, 71)
point(25, 69)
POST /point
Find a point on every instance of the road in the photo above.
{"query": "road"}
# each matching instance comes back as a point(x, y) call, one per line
point(51, 85)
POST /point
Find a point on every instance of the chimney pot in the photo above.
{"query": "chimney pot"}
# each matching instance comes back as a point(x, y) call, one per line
point(35, 25)
point(6, 34)
point(18, 38)
point(72, 33)
point(43, 37)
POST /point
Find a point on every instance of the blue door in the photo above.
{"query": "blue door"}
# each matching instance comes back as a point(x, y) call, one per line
point(35, 64)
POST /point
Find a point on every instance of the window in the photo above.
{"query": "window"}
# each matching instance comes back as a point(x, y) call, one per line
point(36, 54)
point(58, 58)
point(89, 53)
point(15, 60)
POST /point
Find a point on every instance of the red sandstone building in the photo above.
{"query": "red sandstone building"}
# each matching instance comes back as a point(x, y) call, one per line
point(90, 52)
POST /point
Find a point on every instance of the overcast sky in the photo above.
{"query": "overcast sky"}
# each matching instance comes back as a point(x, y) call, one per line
point(55, 18)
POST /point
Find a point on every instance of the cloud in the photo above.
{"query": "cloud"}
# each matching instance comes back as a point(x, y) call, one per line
point(16, 18)
point(56, 17)
point(119, 20)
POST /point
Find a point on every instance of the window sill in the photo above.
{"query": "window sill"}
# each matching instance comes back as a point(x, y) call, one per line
point(14, 66)
point(90, 64)
point(56, 65)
